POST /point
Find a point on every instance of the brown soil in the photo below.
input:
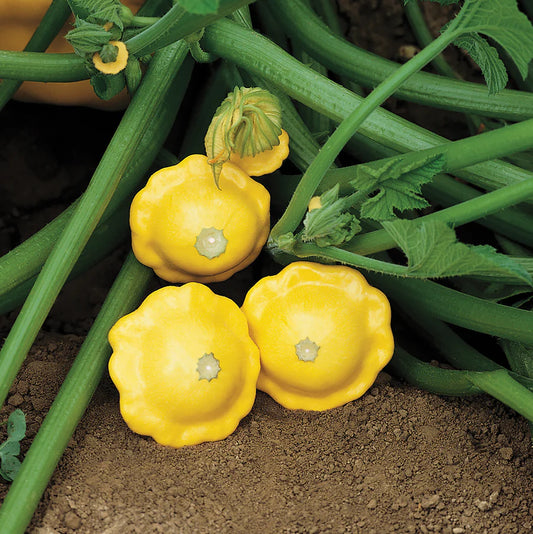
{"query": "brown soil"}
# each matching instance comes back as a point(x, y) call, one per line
point(396, 460)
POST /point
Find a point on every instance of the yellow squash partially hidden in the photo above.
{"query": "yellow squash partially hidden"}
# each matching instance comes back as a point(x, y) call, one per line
point(323, 334)
point(188, 229)
point(18, 21)
point(184, 365)
point(264, 162)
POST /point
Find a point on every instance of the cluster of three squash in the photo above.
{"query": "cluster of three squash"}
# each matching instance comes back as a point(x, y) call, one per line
point(186, 362)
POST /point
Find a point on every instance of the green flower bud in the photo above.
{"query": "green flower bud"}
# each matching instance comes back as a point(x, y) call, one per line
point(247, 122)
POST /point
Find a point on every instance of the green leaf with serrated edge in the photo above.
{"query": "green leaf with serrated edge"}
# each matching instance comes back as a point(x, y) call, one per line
point(519, 356)
point(87, 8)
point(398, 182)
point(502, 21)
point(110, 13)
point(16, 425)
point(487, 58)
point(88, 38)
point(9, 467)
point(331, 224)
point(200, 7)
point(433, 251)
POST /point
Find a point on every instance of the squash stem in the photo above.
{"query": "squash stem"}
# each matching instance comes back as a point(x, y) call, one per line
point(433, 379)
point(311, 179)
point(71, 401)
point(497, 383)
point(23, 263)
point(118, 156)
point(457, 308)
point(177, 24)
point(368, 69)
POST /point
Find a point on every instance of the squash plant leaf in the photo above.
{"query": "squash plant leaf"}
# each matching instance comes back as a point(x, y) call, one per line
point(9, 467)
point(10, 448)
point(200, 7)
point(433, 251)
point(98, 11)
point(500, 20)
point(331, 224)
point(487, 58)
point(398, 183)
point(16, 425)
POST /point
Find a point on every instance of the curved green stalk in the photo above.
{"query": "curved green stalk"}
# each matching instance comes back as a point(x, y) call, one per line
point(423, 36)
point(500, 385)
point(51, 23)
point(339, 255)
point(42, 67)
point(71, 401)
point(458, 308)
point(25, 261)
point(454, 348)
point(177, 24)
point(433, 379)
point(497, 383)
point(369, 69)
point(105, 239)
point(260, 56)
point(69, 246)
point(346, 257)
point(315, 172)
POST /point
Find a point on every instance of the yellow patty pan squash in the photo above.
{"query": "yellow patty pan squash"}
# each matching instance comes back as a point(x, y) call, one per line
point(264, 162)
point(18, 21)
point(188, 229)
point(323, 334)
point(184, 365)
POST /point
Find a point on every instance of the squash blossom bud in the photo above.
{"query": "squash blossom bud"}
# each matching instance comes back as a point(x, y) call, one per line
point(247, 123)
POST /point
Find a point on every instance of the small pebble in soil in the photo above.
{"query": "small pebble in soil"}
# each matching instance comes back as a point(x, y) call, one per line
point(482, 505)
point(372, 503)
point(430, 502)
point(506, 453)
point(15, 400)
point(72, 520)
